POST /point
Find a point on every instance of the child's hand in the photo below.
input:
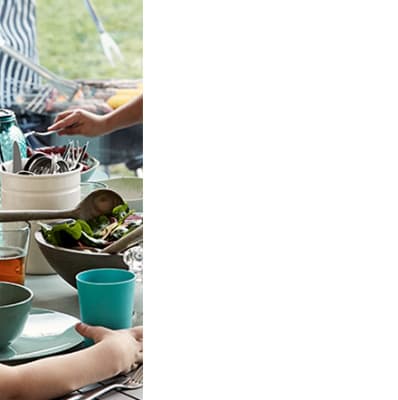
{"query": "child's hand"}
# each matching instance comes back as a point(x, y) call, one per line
point(121, 340)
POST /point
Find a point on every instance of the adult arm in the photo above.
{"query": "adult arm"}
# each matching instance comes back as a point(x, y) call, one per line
point(81, 122)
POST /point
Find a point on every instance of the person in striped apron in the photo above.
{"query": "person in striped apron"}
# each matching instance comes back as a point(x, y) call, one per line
point(18, 30)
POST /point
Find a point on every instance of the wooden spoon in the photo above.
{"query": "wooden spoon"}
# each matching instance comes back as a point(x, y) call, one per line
point(125, 241)
point(98, 202)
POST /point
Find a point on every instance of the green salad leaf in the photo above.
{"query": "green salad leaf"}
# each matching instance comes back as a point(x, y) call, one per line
point(92, 241)
point(85, 227)
point(97, 232)
point(122, 212)
point(98, 224)
point(65, 234)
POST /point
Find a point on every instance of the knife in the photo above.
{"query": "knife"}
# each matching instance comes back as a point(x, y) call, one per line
point(16, 160)
point(2, 161)
point(99, 386)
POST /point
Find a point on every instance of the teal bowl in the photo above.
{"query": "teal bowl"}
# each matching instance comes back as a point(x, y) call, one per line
point(91, 164)
point(15, 305)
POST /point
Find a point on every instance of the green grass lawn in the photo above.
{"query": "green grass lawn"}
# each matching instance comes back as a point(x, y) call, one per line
point(69, 44)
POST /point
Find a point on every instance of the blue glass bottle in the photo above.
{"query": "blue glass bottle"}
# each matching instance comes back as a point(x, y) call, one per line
point(10, 132)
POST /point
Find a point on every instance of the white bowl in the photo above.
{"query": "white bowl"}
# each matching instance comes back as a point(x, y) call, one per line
point(130, 188)
point(93, 164)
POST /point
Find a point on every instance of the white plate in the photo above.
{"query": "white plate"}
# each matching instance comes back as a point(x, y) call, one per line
point(46, 332)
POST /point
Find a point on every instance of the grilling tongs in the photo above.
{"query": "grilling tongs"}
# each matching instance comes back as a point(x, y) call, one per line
point(67, 87)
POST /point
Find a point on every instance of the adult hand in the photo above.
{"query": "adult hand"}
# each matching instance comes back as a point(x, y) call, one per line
point(79, 122)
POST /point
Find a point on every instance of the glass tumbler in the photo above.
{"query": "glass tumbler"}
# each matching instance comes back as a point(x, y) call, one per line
point(14, 242)
point(133, 257)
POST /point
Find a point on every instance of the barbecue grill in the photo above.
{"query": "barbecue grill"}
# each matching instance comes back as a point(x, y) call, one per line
point(36, 108)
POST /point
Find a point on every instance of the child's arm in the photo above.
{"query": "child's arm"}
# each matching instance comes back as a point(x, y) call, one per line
point(47, 378)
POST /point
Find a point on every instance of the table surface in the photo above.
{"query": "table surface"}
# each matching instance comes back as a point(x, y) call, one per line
point(52, 292)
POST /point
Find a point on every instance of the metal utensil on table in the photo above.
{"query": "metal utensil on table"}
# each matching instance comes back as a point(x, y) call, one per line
point(17, 159)
point(125, 241)
point(99, 202)
point(109, 46)
point(135, 381)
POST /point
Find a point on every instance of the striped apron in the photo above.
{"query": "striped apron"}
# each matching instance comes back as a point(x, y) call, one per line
point(18, 29)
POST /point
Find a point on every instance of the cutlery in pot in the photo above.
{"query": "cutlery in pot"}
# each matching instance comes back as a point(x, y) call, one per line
point(2, 161)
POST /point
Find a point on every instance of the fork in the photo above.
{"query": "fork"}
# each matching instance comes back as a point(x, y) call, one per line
point(134, 381)
point(109, 46)
point(35, 133)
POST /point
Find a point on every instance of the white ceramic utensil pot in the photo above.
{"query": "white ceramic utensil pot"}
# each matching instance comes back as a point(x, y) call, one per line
point(39, 192)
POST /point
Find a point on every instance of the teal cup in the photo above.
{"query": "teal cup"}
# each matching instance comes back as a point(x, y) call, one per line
point(15, 305)
point(106, 297)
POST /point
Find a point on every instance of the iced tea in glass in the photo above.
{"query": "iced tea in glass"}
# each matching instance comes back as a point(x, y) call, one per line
point(14, 242)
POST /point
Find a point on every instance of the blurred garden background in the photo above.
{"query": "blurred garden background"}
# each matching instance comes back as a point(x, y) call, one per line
point(69, 44)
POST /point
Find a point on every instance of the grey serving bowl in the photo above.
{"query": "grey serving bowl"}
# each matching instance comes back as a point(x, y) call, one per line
point(68, 262)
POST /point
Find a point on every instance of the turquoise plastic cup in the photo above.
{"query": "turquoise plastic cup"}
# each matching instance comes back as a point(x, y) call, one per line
point(106, 297)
